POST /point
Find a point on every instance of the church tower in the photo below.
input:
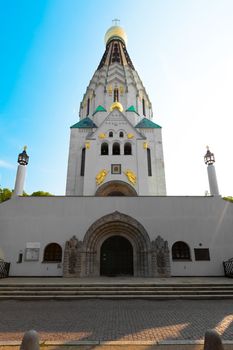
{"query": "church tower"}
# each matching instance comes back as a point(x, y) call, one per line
point(115, 148)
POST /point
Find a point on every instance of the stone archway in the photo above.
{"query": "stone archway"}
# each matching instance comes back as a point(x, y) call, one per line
point(151, 258)
point(116, 224)
point(116, 188)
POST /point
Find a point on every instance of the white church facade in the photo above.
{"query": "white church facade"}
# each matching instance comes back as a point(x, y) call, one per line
point(116, 219)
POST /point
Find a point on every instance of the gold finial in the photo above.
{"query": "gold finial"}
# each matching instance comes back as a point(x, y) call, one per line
point(115, 32)
point(25, 148)
point(116, 105)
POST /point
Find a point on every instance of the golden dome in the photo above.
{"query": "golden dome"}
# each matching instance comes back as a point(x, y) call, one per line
point(115, 32)
point(116, 105)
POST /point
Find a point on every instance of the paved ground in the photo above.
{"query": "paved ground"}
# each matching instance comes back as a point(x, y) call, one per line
point(101, 320)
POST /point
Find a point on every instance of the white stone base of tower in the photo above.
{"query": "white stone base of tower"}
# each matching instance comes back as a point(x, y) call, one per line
point(20, 179)
point(212, 180)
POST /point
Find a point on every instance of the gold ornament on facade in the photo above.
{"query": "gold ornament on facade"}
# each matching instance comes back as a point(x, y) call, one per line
point(100, 177)
point(131, 176)
point(109, 90)
point(121, 89)
point(102, 135)
point(87, 145)
point(145, 145)
point(116, 105)
point(130, 136)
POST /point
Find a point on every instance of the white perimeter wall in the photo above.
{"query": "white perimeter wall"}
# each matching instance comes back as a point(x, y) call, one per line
point(196, 220)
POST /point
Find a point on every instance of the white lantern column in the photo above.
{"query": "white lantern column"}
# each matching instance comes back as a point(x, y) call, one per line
point(213, 184)
point(23, 159)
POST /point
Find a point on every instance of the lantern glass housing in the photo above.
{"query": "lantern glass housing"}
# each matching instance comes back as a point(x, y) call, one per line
point(209, 158)
point(23, 158)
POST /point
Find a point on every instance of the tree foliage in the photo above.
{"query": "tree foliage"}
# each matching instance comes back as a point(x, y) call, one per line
point(6, 193)
point(229, 198)
point(41, 194)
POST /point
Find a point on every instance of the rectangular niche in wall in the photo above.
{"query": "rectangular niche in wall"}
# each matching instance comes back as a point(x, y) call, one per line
point(32, 251)
point(116, 168)
point(202, 254)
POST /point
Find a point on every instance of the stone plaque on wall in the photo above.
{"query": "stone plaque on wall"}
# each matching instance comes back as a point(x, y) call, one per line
point(32, 254)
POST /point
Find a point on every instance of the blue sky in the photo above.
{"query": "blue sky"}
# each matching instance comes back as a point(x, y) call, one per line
point(182, 50)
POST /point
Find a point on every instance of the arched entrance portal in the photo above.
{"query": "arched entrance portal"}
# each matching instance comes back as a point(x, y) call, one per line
point(104, 230)
point(116, 257)
point(124, 243)
point(116, 188)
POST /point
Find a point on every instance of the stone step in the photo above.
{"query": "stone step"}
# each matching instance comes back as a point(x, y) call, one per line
point(38, 291)
point(104, 296)
point(114, 292)
point(115, 286)
point(98, 290)
point(117, 289)
point(159, 285)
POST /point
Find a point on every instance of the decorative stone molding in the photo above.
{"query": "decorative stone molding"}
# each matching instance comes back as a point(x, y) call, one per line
point(161, 266)
point(72, 258)
point(150, 259)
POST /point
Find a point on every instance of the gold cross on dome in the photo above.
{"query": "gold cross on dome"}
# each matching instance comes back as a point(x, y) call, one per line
point(116, 22)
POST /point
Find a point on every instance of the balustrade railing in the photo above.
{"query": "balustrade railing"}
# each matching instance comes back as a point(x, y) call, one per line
point(4, 269)
point(228, 267)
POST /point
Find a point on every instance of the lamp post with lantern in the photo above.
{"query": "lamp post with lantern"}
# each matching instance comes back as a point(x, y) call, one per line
point(23, 159)
point(209, 160)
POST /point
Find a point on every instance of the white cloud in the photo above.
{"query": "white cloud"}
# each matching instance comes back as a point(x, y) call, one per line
point(4, 164)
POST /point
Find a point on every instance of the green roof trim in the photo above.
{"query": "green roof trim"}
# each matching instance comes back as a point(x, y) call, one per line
point(99, 109)
point(132, 109)
point(147, 124)
point(84, 124)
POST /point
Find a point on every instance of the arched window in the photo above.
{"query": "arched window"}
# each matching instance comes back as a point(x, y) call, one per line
point(83, 162)
point(149, 162)
point(116, 95)
point(88, 106)
point(180, 251)
point(116, 149)
point(127, 149)
point(104, 149)
point(121, 134)
point(143, 107)
point(110, 134)
point(53, 253)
